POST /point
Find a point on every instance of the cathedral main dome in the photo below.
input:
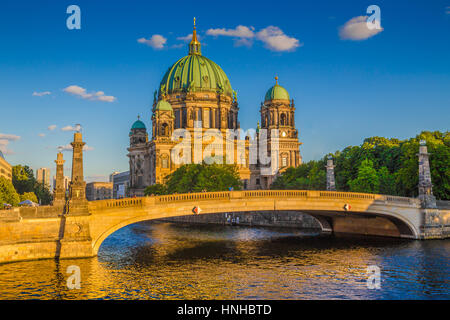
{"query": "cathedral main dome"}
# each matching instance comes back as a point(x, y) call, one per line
point(195, 72)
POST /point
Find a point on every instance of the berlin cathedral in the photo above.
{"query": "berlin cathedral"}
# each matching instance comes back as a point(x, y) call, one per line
point(194, 91)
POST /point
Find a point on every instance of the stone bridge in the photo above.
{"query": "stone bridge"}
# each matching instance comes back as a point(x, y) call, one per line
point(46, 232)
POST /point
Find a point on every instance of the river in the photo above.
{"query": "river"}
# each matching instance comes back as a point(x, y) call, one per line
point(159, 260)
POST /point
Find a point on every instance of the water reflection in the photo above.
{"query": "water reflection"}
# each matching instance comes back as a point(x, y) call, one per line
point(175, 261)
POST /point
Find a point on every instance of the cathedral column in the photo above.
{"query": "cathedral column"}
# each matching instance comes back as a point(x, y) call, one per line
point(292, 161)
point(59, 196)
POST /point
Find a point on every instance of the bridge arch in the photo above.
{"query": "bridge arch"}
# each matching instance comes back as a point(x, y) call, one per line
point(384, 214)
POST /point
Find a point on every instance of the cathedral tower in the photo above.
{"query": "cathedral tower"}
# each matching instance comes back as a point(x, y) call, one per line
point(138, 155)
point(278, 112)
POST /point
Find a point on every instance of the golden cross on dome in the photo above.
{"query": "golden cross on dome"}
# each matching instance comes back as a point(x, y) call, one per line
point(276, 79)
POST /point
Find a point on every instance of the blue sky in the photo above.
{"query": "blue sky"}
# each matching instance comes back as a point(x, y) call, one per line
point(348, 83)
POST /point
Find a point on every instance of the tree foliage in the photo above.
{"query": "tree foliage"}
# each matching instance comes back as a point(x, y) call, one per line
point(198, 178)
point(7, 193)
point(29, 196)
point(367, 179)
point(24, 182)
point(155, 190)
point(394, 167)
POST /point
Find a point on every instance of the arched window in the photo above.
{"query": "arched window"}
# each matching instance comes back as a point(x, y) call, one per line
point(164, 129)
point(283, 119)
point(165, 161)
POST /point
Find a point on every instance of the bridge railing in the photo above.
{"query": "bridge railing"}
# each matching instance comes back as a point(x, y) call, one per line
point(223, 195)
point(193, 196)
point(116, 203)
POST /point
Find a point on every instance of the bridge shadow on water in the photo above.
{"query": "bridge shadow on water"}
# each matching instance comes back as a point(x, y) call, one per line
point(164, 243)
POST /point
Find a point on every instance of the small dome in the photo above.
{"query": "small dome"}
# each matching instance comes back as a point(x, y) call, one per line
point(163, 105)
point(138, 125)
point(277, 92)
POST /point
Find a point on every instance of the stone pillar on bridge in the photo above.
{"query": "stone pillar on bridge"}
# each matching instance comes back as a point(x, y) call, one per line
point(432, 222)
point(425, 185)
point(59, 195)
point(331, 185)
point(77, 190)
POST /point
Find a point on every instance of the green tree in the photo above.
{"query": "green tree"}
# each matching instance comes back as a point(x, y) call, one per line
point(308, 176)
point(156, 189)
point(387, 181)
point(29, 196)
point(23, 179)
point(395, 162)
point(7, 193)
point(24, 182)
point(43, 194)
point(367, 179)
point(203, 177)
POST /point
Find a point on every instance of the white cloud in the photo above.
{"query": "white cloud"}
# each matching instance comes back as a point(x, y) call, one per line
point(41, 135)
point(239, 32)
point(356, 29)
point(40, 94)
point(242, 35)
point(275, 39)
point(187, 38)
point(71, 128)
point(9, 137)
point(96, 96)
point(52, 127)
point(5, 139)
point(68, 147)
point(4, 147)
point(156, 41)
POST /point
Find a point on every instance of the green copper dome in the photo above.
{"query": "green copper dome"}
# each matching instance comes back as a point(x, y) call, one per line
point(138, 125)
point(277, 92)
point(163, 106)
point(195, 72)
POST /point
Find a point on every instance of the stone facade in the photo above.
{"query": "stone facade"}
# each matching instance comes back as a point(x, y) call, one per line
point(5, 168)
point(121, 184)
point(99, 191)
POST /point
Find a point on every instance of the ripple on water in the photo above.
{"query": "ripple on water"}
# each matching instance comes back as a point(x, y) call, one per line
point(178, 261)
